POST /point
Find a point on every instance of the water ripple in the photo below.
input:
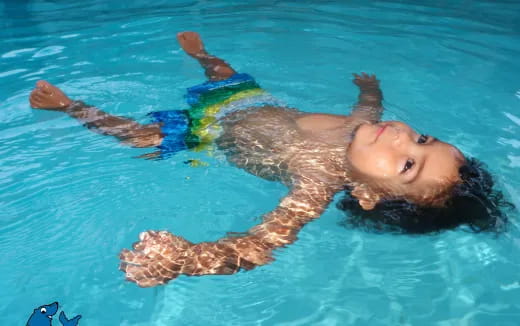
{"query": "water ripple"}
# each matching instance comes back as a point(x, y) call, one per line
point(71, 199)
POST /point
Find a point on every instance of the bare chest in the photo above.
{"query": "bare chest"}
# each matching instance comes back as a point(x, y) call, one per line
point(274, 144)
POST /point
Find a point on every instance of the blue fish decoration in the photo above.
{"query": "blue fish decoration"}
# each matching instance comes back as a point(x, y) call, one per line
point(42, 316)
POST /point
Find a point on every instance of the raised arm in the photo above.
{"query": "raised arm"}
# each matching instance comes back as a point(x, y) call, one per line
point(161, 256)
point(369, 106)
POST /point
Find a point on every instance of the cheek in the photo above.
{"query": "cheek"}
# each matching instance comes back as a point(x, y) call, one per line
point(357, 154)
point(371, 160)
point(382, 167)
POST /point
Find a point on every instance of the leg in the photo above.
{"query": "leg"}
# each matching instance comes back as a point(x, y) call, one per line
point(49, 97)
point(215, 68)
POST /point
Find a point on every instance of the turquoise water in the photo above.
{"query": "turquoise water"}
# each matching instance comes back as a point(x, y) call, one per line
point(71, 199)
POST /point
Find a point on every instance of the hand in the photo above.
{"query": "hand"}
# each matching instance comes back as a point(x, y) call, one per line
point(365, 81)
point(157, 258)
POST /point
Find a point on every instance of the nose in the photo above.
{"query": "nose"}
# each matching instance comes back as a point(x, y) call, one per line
point(397, 135)
point(402, 137)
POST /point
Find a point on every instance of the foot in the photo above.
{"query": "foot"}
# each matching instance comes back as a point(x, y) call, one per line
point(49, 97)
point(192, 44)
point(215, 68)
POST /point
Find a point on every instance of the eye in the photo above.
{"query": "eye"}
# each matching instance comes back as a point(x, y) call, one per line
point(43, 310)
point(408, 165)
point(422, 139)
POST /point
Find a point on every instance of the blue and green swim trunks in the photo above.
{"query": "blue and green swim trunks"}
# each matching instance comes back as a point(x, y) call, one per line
point(197, 127)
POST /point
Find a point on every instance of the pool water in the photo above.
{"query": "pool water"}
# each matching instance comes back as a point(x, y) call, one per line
point(71, 199)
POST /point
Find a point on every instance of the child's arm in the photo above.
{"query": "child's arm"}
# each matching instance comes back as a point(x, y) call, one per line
point(369, 106)
point(160, 256)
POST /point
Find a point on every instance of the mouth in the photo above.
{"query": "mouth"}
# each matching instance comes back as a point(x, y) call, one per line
point(380, 131)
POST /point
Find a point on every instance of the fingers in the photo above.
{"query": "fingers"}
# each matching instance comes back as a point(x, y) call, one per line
point(139, 269)
point(154, 258)
point(365, 76)
point(365, 79)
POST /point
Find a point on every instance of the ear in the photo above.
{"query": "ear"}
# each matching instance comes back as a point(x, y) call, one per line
point(367, 197)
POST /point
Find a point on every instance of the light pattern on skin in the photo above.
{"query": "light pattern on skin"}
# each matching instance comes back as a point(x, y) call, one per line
point(265, 142)
point(160, 256)
point(126, 130)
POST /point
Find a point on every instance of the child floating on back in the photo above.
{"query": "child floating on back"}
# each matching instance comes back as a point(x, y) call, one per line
point(386, 166)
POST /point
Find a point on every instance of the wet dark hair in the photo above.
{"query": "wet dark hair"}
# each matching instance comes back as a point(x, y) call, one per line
point(474, 205)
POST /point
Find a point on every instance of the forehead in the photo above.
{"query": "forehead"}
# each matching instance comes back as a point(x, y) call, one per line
point(441, 163)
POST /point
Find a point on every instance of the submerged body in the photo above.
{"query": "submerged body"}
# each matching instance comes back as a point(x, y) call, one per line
point(315, 155)
point(278, 144)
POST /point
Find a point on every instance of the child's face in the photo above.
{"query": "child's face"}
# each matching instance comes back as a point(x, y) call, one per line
point(392, 152)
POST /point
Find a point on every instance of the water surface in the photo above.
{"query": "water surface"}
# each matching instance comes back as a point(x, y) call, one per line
point(71, 199)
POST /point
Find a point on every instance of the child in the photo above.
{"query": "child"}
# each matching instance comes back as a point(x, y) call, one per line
point(315, 155)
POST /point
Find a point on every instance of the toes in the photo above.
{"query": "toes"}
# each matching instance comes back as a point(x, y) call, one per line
point(36, 96)
point(36, 99)
point(180, 36)
point(190, 42)
point(36, 92)
point(34, 103)
point(33, 94)
point(193, 36)
point(41, 83)
point(44, 86)
point(187, 35)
